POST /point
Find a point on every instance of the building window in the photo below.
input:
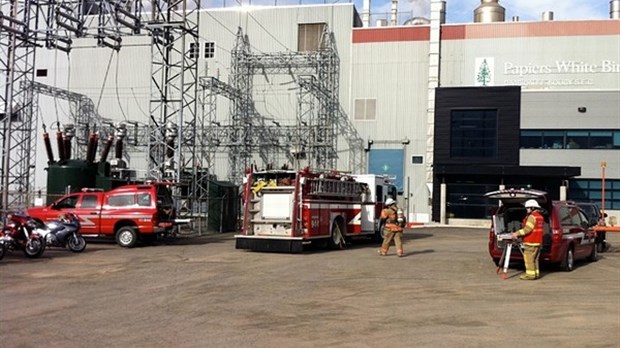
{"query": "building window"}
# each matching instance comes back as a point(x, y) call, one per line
point(473, 133)
point(570, 139)
point(309, 36)
point(209, 49)
point(590, 190)
point(194, 50)
point(365, 109)
point(577, 140)
point(41, 72)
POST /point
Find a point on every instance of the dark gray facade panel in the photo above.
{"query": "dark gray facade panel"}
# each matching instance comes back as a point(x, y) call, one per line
point(506, 100)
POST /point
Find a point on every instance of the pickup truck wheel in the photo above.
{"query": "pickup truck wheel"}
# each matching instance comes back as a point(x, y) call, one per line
point(126, 237)
point(569, 260)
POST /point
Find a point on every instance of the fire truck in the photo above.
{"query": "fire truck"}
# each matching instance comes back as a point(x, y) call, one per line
point(284, 210)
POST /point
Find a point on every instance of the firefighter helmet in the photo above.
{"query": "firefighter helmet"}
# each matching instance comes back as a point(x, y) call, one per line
point(531, 203)
point(389, 202)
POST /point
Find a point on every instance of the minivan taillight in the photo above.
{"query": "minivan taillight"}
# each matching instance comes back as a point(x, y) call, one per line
point(556, 235)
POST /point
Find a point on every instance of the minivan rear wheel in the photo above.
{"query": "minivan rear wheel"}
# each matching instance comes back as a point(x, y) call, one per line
point(593, 257)
point(569, 260)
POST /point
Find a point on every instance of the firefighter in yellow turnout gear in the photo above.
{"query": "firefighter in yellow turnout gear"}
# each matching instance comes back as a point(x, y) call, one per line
point(393, 227)
point(532, 234)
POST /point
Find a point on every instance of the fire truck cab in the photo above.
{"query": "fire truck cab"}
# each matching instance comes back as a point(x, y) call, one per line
point(285, 210)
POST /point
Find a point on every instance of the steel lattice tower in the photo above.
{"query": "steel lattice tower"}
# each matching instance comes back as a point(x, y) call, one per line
point(18, 40)
point(320, 118)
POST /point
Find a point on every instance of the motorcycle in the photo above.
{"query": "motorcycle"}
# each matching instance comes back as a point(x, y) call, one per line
point(62, 233)
point(19, 233)
point(2, 246)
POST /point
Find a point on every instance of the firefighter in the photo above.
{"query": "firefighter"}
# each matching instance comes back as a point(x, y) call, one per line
point(532, 234)
point(394, 221)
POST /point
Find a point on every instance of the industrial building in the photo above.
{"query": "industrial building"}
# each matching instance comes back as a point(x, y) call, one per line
point(450, 110)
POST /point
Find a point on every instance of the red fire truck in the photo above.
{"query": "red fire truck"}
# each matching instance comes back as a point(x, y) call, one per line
point(285, 210)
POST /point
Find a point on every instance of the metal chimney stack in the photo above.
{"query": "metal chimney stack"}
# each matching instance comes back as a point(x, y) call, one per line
point(614, 9)
point(394, 19)
point(366, 13)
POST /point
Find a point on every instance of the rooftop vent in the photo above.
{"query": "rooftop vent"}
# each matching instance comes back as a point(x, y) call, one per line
point(547, 16)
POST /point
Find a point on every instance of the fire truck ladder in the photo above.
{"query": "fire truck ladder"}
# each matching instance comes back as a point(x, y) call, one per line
point(335, 188)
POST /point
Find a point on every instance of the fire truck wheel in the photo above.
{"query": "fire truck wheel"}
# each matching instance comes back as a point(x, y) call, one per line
point(336, 240)
point(126, 237)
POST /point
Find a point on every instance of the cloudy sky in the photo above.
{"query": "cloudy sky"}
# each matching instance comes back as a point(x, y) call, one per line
point(459, 11)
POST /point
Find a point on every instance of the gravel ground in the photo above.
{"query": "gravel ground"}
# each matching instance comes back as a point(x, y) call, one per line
point(202, 292)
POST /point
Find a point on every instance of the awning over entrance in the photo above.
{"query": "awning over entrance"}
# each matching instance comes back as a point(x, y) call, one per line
point(507, 170)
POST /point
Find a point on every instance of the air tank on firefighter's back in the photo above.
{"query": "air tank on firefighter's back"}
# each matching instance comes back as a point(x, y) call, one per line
point(73, 174)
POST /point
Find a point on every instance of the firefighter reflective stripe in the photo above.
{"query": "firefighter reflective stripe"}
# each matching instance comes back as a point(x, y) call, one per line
point(532, 231)
point(393, 227)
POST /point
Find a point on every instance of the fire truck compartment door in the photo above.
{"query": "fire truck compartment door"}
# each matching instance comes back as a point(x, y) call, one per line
point(368, 217)
point(277, 206)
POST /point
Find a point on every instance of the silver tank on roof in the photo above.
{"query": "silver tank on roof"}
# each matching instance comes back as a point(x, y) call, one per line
point(489, 11)
point(417, 21)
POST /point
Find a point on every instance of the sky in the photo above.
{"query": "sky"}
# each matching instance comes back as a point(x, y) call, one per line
point(462, 11)
point(457, 11)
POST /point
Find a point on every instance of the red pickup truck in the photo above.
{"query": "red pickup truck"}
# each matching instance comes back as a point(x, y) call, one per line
point(127, 213)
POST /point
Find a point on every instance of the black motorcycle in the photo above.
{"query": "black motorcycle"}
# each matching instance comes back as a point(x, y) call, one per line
point(63, 233)
point(2, 248)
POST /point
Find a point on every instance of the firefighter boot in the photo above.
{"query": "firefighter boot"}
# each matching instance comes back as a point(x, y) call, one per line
point(527, 277)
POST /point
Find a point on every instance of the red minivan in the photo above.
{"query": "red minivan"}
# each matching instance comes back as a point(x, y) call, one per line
point(568, 235)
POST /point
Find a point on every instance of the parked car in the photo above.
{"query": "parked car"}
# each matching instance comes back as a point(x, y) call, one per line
point(568, 233)
point(593, 212)
point(127, 213)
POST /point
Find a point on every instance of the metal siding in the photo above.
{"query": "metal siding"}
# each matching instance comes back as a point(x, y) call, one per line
point(589, 160)
point(396, 75)
point(558, 110)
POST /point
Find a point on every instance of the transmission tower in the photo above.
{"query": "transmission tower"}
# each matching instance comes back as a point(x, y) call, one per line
point(320, 118)
point(19, 37)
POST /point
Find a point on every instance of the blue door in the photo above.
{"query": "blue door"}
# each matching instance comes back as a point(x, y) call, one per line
point(388, 162)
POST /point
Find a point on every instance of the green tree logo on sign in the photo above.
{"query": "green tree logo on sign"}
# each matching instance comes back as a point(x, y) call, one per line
point(484, 73)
